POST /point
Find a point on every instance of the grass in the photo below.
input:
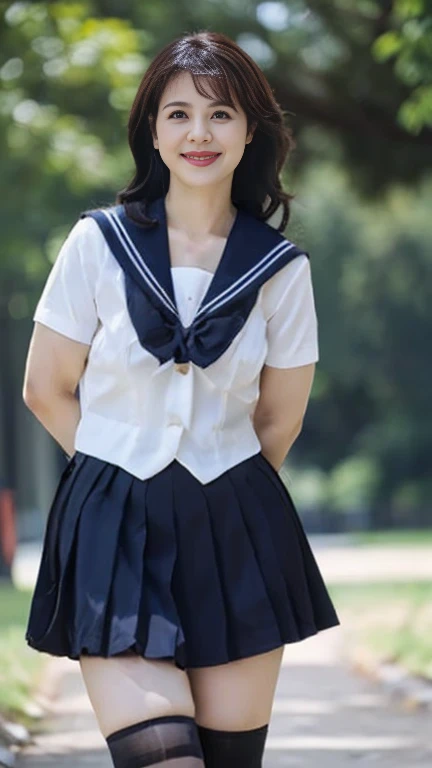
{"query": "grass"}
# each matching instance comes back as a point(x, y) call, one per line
point(420, 538)
point(20, 665)
point(393, 622)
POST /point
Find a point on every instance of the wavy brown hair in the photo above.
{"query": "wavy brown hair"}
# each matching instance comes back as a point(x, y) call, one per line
point(215, 61)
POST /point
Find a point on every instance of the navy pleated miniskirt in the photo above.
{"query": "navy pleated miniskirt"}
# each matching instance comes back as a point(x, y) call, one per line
point(171, 568)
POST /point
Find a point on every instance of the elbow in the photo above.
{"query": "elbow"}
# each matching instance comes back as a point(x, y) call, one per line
point(291, 431)
point(281, 426)
point(31, 399)
point(36, 398)
point(42, 397)
point(298, 427)
point(279, 431)
point(28, 394)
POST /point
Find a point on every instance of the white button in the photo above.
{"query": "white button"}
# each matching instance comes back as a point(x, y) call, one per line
point(176, 420)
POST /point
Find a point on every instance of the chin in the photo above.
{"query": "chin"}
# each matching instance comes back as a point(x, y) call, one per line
point(198, 180)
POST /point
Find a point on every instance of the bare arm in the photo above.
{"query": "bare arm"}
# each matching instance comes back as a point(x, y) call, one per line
point(279, 414)
point(54, 366)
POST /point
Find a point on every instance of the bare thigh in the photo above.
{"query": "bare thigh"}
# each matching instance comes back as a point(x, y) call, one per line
point(125, 689)
point(236, 696)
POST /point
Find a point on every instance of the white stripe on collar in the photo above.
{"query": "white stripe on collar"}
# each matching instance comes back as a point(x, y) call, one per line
point(138, 262)
point(247, 278)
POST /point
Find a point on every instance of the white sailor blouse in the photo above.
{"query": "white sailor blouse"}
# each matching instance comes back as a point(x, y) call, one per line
point(176, 352)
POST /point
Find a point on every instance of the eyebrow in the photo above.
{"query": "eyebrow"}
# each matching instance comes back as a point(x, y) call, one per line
point(186, 104)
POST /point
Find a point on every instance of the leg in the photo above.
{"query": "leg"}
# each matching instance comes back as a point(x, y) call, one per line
point(144, 709)
point(126, 689)
point(238, 695)
point(233, 704)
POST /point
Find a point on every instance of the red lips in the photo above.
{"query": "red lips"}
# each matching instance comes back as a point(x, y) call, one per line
point(210, 158)
point(202, 153)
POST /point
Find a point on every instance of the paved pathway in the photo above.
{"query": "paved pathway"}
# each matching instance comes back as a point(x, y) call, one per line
point(344, 562)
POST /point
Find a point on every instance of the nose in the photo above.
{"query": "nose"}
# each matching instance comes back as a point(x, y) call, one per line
point(199, 131)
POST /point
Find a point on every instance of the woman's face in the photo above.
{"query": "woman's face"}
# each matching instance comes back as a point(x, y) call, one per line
point(198, 125)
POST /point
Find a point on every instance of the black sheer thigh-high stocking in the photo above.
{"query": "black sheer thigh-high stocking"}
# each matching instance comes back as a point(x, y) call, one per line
point(233, 749)
point(170, 741)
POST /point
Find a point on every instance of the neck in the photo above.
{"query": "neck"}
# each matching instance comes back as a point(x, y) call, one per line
point(199, 212)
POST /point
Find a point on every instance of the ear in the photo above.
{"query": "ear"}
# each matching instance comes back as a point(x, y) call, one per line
point(153, 132)
point(251, 133)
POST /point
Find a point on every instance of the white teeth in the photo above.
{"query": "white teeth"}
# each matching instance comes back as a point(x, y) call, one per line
point(194, 157)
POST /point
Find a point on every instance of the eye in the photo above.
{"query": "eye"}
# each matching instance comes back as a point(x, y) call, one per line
point(219, 112)
point(222, 112)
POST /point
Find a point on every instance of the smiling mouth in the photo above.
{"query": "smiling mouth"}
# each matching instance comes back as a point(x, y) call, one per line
point(201, 161)
point(201, 157)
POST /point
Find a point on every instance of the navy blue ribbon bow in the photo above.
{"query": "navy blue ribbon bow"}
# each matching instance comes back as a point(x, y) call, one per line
point(254, 251)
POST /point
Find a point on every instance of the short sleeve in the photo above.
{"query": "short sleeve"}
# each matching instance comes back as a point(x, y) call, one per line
point(67, 303)
point(292, 328)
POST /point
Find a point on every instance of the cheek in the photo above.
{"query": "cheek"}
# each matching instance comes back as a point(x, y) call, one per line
point(168, 133)
point(169, 147)
point(233, 156)
point(168, 139)
point(233, 140)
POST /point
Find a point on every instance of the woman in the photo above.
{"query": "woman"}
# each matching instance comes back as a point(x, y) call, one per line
point(175, 567)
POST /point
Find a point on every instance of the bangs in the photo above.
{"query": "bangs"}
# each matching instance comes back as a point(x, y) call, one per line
point(210, 77)
point(215, 86)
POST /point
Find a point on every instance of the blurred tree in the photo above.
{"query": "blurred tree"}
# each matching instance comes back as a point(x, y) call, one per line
point(68, 81)
point(346, 102)
point(371, 266)
point(409, 44)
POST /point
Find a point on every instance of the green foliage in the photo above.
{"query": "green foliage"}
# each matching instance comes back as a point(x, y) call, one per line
point(369, 422)
point(20, 665)
point(409, 44)
point(68, 82)
point(355, 478)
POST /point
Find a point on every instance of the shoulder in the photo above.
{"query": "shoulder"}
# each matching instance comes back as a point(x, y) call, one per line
point(87, 233)
point(83, 232)
point(90, 222)
point(83, 250)
point(293, 274)
point(289, 290)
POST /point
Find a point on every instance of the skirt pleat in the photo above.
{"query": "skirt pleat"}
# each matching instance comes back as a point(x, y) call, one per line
point(171, 568)
point(97, 543)
point(296, 560)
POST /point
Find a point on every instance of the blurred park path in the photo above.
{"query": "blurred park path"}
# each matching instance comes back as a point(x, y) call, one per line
point(340, 560)
point(343, 562)
point(323, 713)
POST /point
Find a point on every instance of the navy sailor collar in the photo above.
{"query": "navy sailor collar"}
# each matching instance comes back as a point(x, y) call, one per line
point(253, 252)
